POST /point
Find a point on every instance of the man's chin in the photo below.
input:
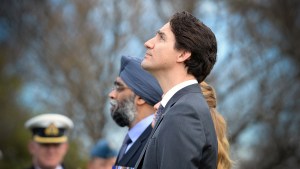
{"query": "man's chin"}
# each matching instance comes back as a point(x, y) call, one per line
point(144, 63)
point(121, 124)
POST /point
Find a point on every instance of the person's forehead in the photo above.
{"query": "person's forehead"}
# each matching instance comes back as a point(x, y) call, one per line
point(165, 26)
point(119, 81)
point(166, 29)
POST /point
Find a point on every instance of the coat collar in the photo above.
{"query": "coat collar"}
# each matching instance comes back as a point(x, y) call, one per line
point(194, 88)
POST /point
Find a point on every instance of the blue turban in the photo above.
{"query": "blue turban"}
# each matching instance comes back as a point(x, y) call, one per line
point(103, 150)
point(140, 81)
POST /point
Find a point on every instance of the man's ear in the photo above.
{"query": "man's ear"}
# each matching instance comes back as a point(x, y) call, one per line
point(185, 55)
point(139, 100)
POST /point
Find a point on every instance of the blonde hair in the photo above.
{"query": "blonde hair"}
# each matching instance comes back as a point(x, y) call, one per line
point(224, 161)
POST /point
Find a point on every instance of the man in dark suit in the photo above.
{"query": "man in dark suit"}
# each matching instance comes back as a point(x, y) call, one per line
point(132, 99)
point(180, 56)
point(49, 143)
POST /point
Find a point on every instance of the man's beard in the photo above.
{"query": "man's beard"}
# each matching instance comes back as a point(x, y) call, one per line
point(123, 112)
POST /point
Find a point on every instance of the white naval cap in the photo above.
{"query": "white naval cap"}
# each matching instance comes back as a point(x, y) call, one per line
point(49, 128)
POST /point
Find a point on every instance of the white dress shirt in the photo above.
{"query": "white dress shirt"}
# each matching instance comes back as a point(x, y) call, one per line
point(174, 90)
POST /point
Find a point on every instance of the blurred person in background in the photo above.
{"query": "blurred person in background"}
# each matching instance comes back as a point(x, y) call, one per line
point(49, 143)
point(102, 156)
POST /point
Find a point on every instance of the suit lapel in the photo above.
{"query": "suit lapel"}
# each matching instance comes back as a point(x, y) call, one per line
point(137, 144)
point(192, 88)
point(195, 88)
point(173, 100)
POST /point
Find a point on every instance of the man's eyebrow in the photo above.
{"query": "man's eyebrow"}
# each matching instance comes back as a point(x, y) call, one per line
point(160, 33)
point(117, 83)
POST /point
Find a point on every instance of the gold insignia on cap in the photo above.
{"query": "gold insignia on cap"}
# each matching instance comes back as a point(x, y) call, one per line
point(51, 130)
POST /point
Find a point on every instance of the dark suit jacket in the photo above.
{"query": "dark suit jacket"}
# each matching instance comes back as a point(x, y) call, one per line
point(184, 137)
point(130, 158)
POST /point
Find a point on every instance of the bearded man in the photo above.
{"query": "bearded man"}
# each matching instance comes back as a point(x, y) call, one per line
point(134, 94)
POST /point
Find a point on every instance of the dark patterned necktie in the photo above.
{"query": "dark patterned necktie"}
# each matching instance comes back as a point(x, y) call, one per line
point(159, 113)
point(126, 142)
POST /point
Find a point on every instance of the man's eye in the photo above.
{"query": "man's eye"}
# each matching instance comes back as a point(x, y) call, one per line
point(119, 88)
point(162, 37)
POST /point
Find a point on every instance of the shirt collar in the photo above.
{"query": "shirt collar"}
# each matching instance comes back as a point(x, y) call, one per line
point(135, 132)
point(175, 89)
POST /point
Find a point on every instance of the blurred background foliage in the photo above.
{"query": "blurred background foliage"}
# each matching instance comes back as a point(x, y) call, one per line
point(62, 57)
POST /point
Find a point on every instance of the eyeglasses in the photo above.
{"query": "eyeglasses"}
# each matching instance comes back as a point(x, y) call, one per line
point(119, 88)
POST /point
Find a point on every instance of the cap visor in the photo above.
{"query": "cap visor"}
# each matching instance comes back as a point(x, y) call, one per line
point(50, 139)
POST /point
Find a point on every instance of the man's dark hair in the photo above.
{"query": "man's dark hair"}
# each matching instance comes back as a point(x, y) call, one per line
point(193, 36)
